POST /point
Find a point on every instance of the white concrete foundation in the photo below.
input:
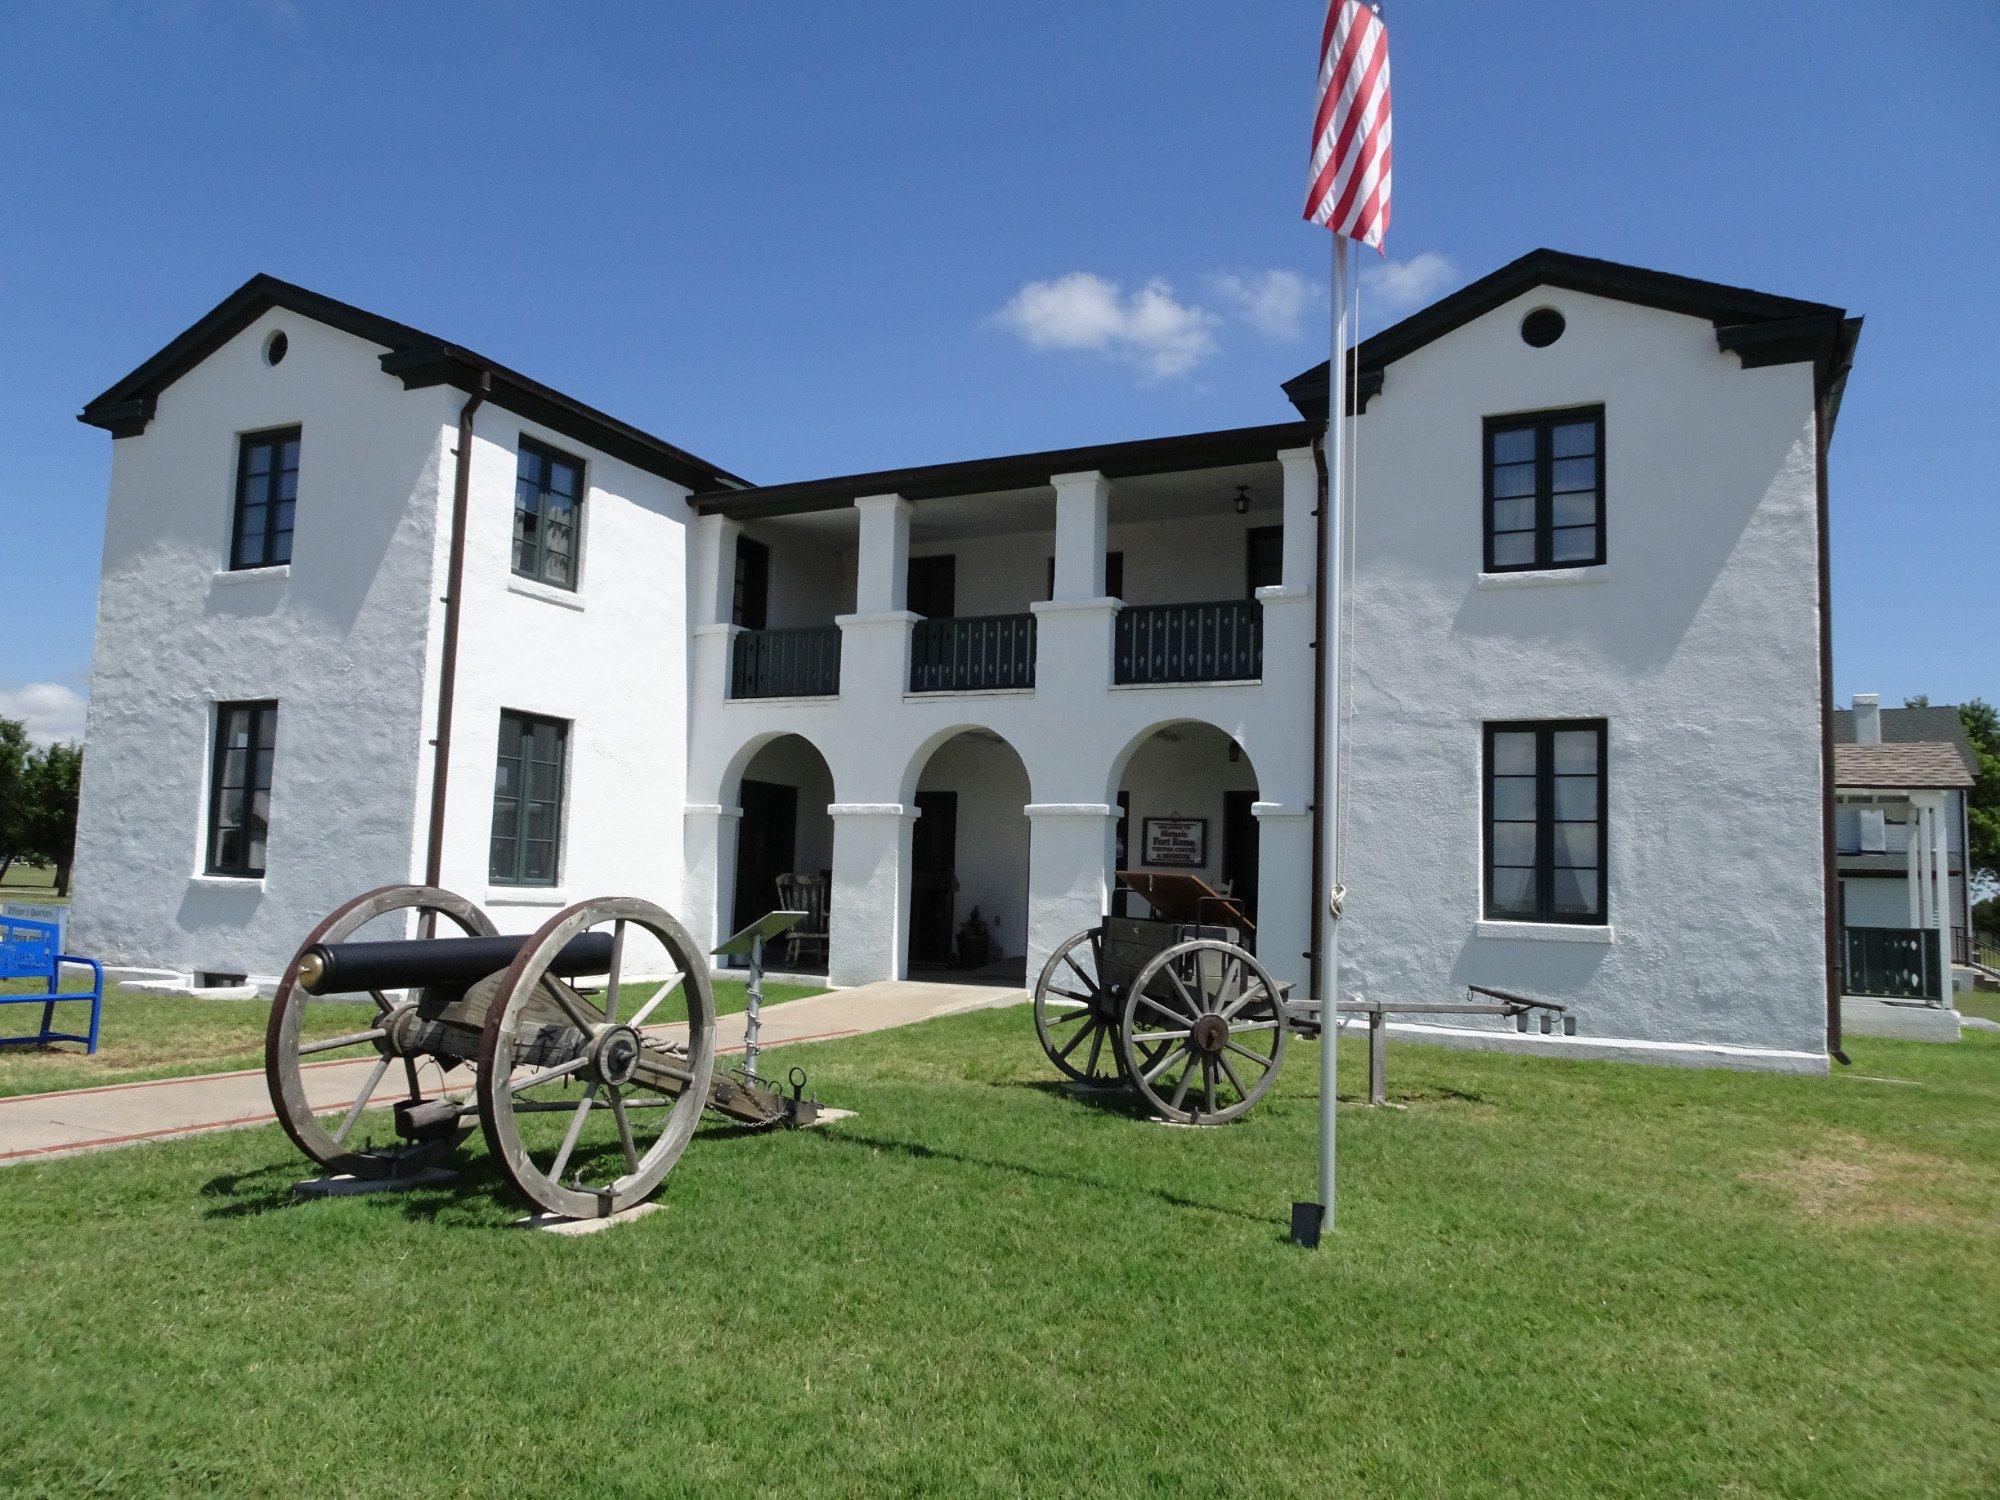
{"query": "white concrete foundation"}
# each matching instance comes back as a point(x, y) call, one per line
point(1864, 1016)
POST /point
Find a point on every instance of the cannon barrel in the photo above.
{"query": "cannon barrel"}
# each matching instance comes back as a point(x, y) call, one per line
point(343, 968)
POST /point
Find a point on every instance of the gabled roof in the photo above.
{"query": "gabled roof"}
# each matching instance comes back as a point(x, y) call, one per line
point(1902, 726)
point(981, 476)
point(1915, 764)
point(1761, 328)
point(417, 358)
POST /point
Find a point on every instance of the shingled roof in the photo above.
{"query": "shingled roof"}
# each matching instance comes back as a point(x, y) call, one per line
point(1926, 765)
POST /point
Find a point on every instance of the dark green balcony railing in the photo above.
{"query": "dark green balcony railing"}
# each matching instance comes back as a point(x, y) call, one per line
point(1219, 642)
point(800, 663)
point(1896, 963)
point(981, 652)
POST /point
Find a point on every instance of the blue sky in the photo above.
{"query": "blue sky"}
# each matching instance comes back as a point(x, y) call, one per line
point(804, 239)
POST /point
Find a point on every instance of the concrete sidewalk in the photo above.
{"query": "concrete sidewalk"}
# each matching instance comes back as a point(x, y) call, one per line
point(35, 1127)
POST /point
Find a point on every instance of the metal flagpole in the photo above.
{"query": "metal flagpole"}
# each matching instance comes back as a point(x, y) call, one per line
point(1336, 436)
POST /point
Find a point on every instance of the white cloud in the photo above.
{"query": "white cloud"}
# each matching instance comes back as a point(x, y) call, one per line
point(1394, 287)
point(50, 711)
point(1163, 335)
point(1275, 303)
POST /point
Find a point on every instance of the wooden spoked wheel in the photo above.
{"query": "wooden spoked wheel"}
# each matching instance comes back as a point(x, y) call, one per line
point(329, 1136)
point(1076, 1012)
point(588, 1103)
point(1202, 1032)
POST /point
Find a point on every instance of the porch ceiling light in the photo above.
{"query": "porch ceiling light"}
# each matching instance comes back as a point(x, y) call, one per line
point(1242, 499)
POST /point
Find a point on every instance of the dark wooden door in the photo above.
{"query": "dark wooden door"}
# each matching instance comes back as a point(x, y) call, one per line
point(934, 878)
point(933, 587)
point(751, 604)
point(1239, 850)
point(766, 845)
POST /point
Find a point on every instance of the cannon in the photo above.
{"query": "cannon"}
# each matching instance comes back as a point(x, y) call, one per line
point(1181, 1013)
point(585, 1103)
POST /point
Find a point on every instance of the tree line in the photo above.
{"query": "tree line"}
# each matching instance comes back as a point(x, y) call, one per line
point(38, 802)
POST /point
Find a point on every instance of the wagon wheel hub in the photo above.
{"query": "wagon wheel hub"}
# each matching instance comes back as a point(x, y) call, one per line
point(1210, 1033)
point(615, 1055)
point(406, 1030)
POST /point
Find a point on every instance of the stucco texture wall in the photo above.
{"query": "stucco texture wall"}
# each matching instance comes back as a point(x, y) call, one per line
point(1697, 642)
point(338, 639)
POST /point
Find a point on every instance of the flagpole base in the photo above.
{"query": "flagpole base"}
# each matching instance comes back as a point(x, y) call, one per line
point(1307, 1221)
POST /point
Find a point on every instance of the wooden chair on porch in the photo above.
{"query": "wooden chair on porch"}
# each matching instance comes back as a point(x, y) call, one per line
point(806, 893)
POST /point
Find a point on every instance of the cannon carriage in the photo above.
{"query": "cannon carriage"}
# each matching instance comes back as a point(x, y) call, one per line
point(585, 1102)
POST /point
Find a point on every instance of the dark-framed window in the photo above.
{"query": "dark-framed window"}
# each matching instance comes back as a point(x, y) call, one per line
point(267, 491)
point(1263, 559)
point(239, 787)
point(1114, 576)
point(548, 514)
point(1545, 490)
point(1545, 821)
point(527, 799)
point(750, 603)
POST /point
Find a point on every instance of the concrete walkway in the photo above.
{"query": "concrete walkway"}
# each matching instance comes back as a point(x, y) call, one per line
point(35, 1127)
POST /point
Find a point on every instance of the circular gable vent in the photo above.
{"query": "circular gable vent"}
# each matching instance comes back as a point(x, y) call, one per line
point(275, 347)
point(1542, 327)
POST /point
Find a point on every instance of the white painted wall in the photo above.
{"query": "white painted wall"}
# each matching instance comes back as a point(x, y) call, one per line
point(1697, 642)
point(999, 575)
point(338, 640)
point(1877, 901)
point(610, 658)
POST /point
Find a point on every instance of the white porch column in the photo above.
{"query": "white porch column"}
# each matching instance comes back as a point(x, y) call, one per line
point(875, 639)
point(1069, 880)
point(1939, 888)
point(1913, 844)
point(1301, 503)
point(882, 563)
point(1073, 631)
point(868, 907)
point(711, 871)
point(714, 582)
point(711, 606)
point(1083, 516)
point(1284, 890)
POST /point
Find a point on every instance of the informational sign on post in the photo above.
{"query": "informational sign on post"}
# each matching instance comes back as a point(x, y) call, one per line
point(1176, 843)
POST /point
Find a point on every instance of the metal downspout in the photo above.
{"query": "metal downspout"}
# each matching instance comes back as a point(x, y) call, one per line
point(461, 490)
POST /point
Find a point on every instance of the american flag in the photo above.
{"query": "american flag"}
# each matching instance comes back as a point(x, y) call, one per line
point(1350, 150)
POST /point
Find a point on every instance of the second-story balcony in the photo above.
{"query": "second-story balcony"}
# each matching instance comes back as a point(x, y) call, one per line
point(1221, 641)
point(797, 663)
point(977, 653)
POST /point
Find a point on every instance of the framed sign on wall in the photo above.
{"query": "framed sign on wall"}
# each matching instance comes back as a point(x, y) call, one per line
point(1175, 843)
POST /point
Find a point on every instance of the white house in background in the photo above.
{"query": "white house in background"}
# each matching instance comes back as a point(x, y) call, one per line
point(1902, 778)
point(1588, 638)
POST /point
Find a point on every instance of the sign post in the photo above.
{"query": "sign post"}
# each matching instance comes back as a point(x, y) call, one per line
point(750, 943)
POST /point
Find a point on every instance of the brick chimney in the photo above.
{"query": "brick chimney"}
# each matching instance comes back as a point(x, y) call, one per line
point(1867, 718)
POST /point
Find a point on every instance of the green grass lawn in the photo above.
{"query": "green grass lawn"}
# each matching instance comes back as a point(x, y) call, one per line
point(25, 882)
point(1549, 1278)
point(169, 1036)
point(1979, 1003)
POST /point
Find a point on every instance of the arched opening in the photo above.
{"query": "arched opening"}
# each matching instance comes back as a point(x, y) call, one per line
point(969, 860)
point(1186, 828)
point(784, 846)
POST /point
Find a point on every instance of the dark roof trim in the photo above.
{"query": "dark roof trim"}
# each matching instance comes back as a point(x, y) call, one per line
point(979, 476)
point(417, 358)
point(1760, 327)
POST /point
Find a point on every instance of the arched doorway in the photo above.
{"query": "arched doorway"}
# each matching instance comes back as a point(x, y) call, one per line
point(1185, 797)
point(969, 859)
point(785, 834)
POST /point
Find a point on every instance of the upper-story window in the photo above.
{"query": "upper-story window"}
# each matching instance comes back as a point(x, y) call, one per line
point(1545, 490)
point(267, 489)
point(548, 514)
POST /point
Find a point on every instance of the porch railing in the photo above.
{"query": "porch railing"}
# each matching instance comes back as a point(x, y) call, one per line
point(1894, 963)
point(799, 663)
point(979, 652)
point(1219, 642)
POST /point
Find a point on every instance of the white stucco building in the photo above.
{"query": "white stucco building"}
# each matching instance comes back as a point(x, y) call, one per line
point(1589, 753)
